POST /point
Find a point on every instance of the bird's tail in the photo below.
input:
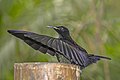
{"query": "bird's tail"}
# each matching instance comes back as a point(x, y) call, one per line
point(95, 58)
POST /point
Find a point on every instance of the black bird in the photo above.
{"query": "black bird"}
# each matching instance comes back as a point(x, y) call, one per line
point(64, 46)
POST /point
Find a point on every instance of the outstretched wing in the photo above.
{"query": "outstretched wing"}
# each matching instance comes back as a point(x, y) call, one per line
point(52, 45)
point(34, 44)
point(60, 46)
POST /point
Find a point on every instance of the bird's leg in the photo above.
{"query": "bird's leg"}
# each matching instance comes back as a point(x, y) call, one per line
point(62, 59)
point(58, 57)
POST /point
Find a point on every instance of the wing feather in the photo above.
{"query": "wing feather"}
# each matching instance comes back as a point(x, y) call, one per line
point(32, 44)
point(60, 46)
point(37, 45)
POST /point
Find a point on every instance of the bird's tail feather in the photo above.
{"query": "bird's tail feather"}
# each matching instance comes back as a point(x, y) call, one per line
point(95, 58)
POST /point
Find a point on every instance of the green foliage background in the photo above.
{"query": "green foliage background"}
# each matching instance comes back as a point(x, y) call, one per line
point(94, 24)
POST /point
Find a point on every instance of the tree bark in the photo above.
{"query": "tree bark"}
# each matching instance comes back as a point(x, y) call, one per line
point(46, 71)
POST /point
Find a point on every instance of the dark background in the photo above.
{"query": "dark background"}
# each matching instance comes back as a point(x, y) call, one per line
point(94, 24)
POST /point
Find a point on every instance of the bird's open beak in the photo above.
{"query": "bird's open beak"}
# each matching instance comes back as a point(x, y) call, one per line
point(52, 27)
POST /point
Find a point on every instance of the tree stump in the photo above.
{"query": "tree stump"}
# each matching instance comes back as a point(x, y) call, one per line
point(46, 71)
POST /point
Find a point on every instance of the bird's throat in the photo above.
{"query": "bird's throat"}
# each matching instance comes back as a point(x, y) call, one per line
point(66, 37)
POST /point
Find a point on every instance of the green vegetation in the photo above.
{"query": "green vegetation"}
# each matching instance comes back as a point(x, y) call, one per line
point(94, 24)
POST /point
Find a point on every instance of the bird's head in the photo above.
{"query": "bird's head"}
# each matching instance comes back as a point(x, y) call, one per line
point(61, 30)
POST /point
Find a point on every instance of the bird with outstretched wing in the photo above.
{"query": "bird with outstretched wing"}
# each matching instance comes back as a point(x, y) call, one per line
point(64, 47)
